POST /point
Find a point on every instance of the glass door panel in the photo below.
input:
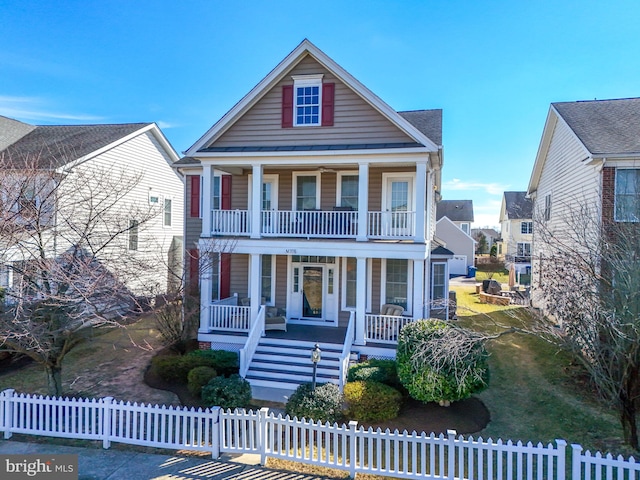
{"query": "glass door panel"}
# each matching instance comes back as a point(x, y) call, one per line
point(312, 281)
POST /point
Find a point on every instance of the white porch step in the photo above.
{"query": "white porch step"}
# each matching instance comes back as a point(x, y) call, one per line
point(286, 364)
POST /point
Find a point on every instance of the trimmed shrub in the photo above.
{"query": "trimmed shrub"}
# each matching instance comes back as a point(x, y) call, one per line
point(177, 368)
point(376, 370)
point(169, 368)
point(198, 377)
point(322, 404)
point(439, 362)
point(369, 401)
point(232, 392)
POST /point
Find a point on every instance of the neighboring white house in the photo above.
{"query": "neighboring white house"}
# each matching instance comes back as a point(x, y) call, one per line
point(135, 157)
point(310, 206)
point(455, 233)
point(589, 155)
point(516, 228)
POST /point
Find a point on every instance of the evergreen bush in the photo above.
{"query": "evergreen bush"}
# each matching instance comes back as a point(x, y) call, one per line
point(369, 401)
point(232, 392)
point(322, 404)
point(198, 377)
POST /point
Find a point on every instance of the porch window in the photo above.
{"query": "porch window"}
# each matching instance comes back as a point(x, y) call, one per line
point(307, 197)
point(216, 194)
point(349, 191)
point(627, 201)
point(133, 234)
point(526, 227)
point(350, 273)
point(397, 282)
point(214, 269)
point(266, 279)
point(438, 281)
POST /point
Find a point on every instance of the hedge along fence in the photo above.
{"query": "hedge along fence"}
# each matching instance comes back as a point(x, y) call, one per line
point(347, 447)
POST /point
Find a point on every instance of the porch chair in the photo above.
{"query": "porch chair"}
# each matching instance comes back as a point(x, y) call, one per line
point(391, 310)
point(274, 320)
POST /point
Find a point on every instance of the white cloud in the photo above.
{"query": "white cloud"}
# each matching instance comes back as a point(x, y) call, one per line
point(490, 188)
point(165, 125)
point(31, 109)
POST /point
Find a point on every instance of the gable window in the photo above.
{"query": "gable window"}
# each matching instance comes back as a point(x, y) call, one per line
point(627, 201)
point(166, 221)
point(307, 98)
point(133, 234)
point(526, 227)
point(547, 207)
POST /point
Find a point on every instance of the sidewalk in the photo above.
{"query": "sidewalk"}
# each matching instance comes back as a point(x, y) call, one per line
point(95, 463)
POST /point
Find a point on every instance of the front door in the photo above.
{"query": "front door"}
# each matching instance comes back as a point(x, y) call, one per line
point(312, 280)
point(312, 292)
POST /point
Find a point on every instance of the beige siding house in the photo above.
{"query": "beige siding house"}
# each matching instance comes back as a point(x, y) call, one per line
point(516, 231)
point(589, 156)
point(310, 218)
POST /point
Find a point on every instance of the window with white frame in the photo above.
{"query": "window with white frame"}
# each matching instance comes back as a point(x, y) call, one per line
point(627, 195)
point(215, 276)
point(348, 190)
point(307, 100)
point(307, 191)
point(397, 282)
point(216, 193)
point(526, 227)
point(168, 205)
point(524, 249)
point(438, 281)
point(465, 228)
point(133, 234)
point(350, 273)
point(266, 279)
point(547, 207)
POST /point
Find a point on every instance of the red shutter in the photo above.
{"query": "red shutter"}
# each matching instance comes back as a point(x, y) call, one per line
point(194, 198)
point(287, 106)
point(328, 93)
point(194, 269)
point(225, 275)
point(225, 196)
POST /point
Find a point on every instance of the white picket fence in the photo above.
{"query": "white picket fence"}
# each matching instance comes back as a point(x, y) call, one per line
point(347, 447)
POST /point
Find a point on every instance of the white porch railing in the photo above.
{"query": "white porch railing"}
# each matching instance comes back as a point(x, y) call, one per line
point(251, 344)
point(347, 447)
point(314, 224)
point(346, 349)
point(384, 328)
point(225, 315)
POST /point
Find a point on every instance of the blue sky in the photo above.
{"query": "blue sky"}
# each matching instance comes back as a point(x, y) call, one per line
point(492, 66)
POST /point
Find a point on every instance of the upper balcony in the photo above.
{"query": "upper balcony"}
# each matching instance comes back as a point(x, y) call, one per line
point(339, 223)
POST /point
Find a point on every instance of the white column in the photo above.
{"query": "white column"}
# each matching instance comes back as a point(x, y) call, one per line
point(256, 202)
point(363, 201)
point(254, 285)
point(361, 299)
point(207, 194)
point(205, 285)
point(421, 204)
point(418, 281)
point(428, 208)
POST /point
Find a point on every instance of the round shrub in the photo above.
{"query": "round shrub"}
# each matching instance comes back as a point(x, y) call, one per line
point(226, 363)
point(169, 368)
point(376, 370)
point(438, 362)
point(369, 401)
point(322, 404)
point(198, 377)
point(232, 392)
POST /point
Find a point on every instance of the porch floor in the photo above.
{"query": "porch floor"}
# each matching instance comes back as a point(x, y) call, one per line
point(313, 333)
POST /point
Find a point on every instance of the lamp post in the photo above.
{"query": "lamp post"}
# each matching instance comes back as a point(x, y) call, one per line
point(315, 358)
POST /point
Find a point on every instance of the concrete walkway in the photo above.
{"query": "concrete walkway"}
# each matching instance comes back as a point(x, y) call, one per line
point(96, 463)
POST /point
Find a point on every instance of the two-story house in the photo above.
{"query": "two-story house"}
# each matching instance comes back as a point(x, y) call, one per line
point(453, 227)
point(310, 215)
point(516, 231)
point(588, 164)
point(109, 189)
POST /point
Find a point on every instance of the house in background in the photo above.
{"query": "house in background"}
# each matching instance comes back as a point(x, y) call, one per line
point(114, 151)
point(453, 228)
point(310, 215)
point(516, 231)
point(589, 156)
point(490, 234)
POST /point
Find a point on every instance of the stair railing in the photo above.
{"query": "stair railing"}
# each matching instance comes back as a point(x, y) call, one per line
point(250, 346)
point(346, 350)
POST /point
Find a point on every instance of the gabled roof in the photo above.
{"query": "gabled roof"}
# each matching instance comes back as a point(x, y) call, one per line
point(518, 206)
point(12, 130)
point(605, 127)
point(428, 122)
point(57, 145)
point(455, 210)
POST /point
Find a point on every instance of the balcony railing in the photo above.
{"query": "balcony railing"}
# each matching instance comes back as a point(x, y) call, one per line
point(518, 258)
point(314, 224)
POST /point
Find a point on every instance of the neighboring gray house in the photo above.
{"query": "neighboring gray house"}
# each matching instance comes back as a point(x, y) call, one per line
point(516, 227)
point(453, 228)
point(490, 234)
point(310, 210)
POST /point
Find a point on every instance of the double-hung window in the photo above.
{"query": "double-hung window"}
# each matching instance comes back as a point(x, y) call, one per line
point(397, 282)
point(166, 221)
point(524, 249)
point(133, 234)
point(307, 98)
point(348, 191)
point(627, 206)
point(526, 227)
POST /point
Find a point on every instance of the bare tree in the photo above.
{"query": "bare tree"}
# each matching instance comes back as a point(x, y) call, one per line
point(70, 238)
point(587, 281)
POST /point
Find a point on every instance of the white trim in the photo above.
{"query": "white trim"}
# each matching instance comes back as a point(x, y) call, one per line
point(615, 193)
point(164, 206)
point(386, 177)
point(294, 187)
point(339, 175)
point(273, 278)
point(266, 178)
point(301, 81)
point(383, 283)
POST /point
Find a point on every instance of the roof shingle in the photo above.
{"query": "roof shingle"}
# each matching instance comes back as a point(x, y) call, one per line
point(455, 210)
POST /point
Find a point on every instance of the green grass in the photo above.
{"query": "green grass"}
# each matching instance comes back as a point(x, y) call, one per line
point(536, 393)
point(500, 277)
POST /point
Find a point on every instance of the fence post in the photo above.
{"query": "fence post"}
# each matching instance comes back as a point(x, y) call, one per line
point(106, 421)
point(451, 454)
point(263, 413)
point(7, 411)
point(215, 432)
point(562, 455)
point(576, 461)
point(353, 445)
